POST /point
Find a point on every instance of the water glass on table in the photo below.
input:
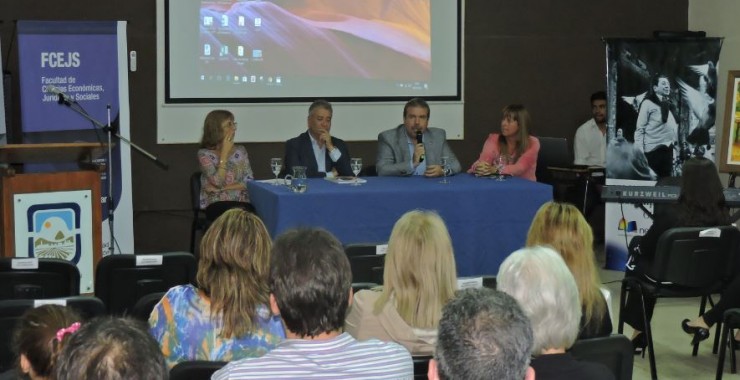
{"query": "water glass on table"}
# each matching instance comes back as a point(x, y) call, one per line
point(356, 165)
point(501, 162)
point(276, 164)
point(445, 163)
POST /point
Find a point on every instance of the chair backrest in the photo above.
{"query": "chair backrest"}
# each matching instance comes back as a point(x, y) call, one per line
point(357, 286)
point(121, 280)
point(615, 352)
point(366, 263)
point(554, 151)
point(143, 307)
point(421, 366)
point(195, 370)
point(369, 171)
point(51, 278)
point(12, 310)
point(195, 192)
point(696, 257)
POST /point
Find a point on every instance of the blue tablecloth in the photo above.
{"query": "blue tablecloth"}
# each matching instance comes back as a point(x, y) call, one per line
point(487, 219)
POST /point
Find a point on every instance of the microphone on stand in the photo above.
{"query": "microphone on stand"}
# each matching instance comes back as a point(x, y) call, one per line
point(63, 98)
point(419, 141)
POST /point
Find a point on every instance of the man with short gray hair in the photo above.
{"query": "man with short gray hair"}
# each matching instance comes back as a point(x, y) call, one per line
point(483, 334)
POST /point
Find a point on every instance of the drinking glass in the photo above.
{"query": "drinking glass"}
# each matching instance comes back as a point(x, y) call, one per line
point(356, 165)
point(276, 164)
point(501, 161)
point(445, 163)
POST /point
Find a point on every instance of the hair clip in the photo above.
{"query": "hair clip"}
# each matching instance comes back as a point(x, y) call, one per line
point(68, 330)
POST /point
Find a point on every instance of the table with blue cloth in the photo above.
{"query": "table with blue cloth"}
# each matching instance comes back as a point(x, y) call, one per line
point(487, 219)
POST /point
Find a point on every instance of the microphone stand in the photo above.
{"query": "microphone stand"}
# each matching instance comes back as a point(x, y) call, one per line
point(111, 131)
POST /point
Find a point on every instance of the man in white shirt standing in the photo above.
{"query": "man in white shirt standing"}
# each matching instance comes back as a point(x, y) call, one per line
point(590, 142)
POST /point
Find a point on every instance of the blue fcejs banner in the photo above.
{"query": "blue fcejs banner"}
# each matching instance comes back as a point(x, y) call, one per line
point(76, 58)
point(85, 61)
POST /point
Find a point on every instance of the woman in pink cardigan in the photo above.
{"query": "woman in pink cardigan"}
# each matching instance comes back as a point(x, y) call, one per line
point(515, 142)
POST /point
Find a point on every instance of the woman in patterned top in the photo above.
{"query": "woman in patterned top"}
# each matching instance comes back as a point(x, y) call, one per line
point(224, 167)
point(226, 317)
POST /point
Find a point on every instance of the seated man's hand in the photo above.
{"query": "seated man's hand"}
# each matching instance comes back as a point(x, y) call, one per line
point(484, 169)
point(326, 140)
point(434, 171)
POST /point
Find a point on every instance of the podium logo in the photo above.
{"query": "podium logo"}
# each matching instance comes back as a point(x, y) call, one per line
point(54, 231)
point(624, 225)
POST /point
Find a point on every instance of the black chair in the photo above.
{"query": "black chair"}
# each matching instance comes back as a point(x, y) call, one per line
point(357, 286)
point(366, 264)
point(489, 281)
point(52, 278)
point(615, 352)
point(144, 306)
point(688, 262)
point(554, 151)
point(12, 310)
point(369, 171)
point(199, 216)
point(121, 280)
point(195, 370)
point(731, 321)
point(421, 366)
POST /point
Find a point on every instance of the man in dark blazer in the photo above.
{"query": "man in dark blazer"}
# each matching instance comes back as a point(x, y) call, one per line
point(401, 154)
point(322, 154)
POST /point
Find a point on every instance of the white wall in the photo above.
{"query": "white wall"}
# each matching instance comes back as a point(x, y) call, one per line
point(719, 18)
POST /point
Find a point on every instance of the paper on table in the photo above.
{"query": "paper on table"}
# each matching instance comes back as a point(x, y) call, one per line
point(279, 181)
point(346, 180)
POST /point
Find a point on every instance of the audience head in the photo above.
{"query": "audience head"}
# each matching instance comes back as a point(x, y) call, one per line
point(214, 128)
point(39, 337)
point(420, 274)
point(111, 348)
point(416, 114)
point(563, 227)
point(233, 269)
point(515, 123)
point(483, 334)
point(539, 280)
point(319, 117)
point(310, 282)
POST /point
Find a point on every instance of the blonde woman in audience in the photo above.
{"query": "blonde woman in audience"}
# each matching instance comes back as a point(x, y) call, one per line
point(542, 284)
point(419, 278)
point(38, 338)
point(226, 317)
point(562, 227)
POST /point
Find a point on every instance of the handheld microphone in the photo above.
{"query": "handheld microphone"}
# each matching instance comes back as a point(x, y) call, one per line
point(63, 98)
point(419, 141)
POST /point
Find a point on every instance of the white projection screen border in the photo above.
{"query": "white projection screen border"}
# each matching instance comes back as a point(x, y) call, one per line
point(274, 120)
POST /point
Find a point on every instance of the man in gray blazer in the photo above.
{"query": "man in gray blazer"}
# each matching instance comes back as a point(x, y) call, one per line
point(401, 154)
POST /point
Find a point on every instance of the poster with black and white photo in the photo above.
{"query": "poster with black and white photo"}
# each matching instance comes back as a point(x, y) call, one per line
point(661, 112)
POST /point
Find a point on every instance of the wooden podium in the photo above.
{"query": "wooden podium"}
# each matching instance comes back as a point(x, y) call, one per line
point(87, 178)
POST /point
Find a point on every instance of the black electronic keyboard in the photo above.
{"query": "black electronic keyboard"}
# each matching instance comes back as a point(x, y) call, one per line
point(656, 194)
